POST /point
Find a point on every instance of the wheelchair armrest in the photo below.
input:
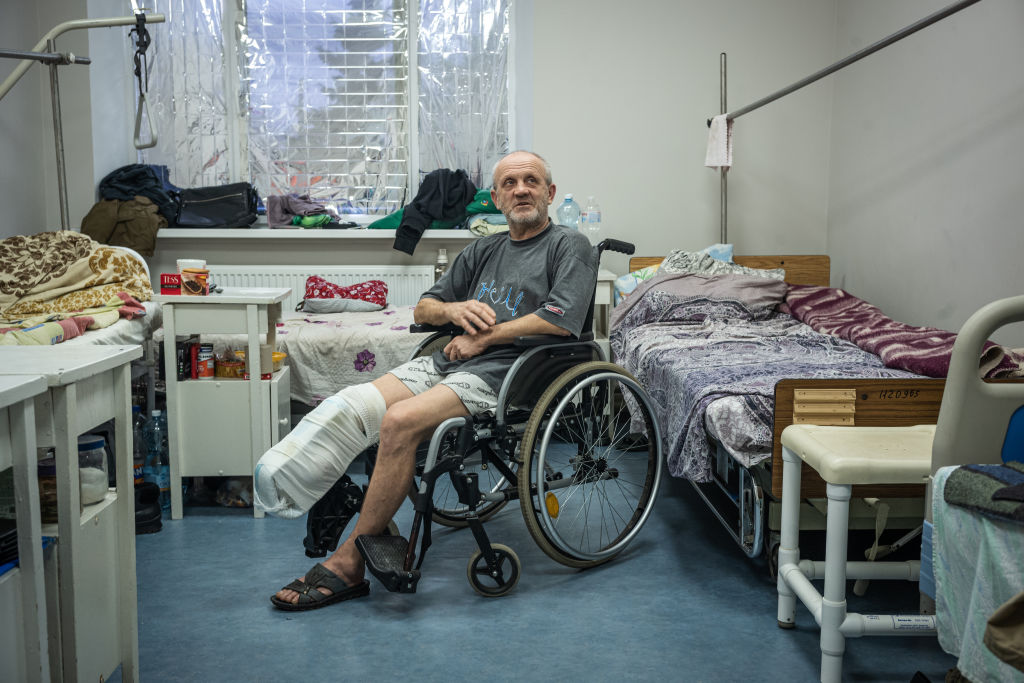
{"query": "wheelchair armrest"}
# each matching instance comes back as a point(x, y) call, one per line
point(447, 328)
point(544, 339)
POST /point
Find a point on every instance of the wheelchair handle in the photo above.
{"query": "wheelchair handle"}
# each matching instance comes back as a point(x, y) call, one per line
point(617, 246)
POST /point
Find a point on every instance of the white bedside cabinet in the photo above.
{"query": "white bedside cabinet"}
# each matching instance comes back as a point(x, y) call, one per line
point(221, 427)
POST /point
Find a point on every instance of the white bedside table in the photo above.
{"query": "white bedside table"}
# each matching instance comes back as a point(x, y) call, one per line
point(221, 427)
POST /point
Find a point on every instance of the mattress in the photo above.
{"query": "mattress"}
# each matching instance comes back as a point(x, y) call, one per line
point(124, 331)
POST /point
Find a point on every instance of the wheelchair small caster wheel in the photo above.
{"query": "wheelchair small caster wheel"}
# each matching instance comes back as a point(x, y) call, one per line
point(483, 580)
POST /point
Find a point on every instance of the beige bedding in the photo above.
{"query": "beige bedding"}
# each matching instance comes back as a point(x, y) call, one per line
point(60, 272)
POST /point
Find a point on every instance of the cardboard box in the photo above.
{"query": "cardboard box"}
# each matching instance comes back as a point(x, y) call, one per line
point(170, 283)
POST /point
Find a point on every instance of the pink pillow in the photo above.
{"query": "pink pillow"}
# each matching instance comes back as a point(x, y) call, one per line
point(326, 297)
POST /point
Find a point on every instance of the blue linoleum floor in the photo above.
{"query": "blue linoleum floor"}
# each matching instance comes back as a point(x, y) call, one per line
point(681, 604)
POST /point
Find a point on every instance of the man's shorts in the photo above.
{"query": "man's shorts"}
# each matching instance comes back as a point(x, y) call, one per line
point(419, 375)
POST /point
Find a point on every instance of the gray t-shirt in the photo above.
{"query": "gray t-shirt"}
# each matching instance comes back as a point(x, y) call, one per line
point(552, 274)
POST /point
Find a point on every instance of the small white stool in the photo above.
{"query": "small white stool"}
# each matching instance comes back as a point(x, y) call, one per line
point(845, 456)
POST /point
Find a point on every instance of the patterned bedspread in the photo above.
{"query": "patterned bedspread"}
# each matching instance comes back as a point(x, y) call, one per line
point(690, 349)
point(60, 272)
point(924, 350)
point(56, 285)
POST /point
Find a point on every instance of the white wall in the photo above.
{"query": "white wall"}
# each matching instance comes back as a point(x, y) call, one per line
point(96, 106)
point(926, 202)
point(622, 92)
point(21, 128)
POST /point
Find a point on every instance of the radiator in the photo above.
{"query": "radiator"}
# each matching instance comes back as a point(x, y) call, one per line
point(405, 283)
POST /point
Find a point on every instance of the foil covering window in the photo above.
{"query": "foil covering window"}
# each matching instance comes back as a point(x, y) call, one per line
point(323, 94)
point(187, 87)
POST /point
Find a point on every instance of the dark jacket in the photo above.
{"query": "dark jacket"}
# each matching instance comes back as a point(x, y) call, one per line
point(133, 224)
point(443, 195)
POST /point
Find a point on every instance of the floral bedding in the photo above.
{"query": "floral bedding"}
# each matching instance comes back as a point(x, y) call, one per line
point(61, 272)
point(691, 342)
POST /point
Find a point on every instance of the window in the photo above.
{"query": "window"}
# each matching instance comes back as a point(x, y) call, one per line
point(323, 93)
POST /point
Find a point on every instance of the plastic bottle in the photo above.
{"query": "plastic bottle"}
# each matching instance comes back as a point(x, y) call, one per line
point(139, 448)
point(442, 264)
point(157, 467)
point(591, 218)
point(568, 213)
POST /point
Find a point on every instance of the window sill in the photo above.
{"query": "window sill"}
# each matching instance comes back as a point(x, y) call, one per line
point(265, 233)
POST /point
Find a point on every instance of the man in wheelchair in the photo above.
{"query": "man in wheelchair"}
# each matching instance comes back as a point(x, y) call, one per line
point(538, 279)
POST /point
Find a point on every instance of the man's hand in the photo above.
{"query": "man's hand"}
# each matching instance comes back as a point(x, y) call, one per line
point(473, 316)
point(464, 346)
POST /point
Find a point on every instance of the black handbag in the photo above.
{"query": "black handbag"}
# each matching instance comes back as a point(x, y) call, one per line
point(220, 206)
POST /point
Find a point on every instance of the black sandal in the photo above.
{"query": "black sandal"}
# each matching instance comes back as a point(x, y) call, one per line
point(311, 598)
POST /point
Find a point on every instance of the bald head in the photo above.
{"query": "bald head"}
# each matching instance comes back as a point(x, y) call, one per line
point(519, 154)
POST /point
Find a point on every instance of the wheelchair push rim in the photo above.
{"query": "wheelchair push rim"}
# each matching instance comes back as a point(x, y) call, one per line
point(588, 483)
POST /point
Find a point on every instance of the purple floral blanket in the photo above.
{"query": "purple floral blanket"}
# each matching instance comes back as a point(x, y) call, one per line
point(924, 350)
point(688, 350)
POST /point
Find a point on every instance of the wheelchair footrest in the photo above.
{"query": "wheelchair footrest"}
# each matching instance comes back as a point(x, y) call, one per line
point(385, 558)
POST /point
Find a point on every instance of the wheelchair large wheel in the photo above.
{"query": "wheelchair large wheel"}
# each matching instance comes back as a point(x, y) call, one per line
point(591, 464)
point(448, 510)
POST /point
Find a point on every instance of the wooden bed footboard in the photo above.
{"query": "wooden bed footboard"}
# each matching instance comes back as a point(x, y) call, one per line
point(852, 402)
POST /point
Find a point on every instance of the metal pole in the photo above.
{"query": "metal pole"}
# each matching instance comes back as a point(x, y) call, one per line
point(899, 35)
point(723, 173)
point(45, 57)
point(57, 30)
point(58, 141)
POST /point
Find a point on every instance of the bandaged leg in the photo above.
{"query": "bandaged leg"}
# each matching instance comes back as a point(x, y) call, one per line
point(302, 467)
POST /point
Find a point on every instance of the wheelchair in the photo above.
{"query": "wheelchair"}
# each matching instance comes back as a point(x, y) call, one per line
point(573, 439)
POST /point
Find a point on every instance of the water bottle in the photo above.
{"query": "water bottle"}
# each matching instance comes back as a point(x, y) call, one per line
point(568, 213)
point(157, 467)
point(591, 219)
point(442, 264)
point(139, 448)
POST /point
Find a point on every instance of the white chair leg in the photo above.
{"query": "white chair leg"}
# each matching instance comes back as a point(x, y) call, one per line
point(789, 536)
point(833, 606)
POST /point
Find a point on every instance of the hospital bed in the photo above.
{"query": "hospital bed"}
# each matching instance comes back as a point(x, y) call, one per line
point(725, 386)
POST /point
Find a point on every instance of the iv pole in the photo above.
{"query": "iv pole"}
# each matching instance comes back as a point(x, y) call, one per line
point(53, 59)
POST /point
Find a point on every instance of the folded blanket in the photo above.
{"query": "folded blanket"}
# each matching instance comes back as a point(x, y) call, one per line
point(54, 328)
point(983, 488)
point(922, 350)
point(60, 272)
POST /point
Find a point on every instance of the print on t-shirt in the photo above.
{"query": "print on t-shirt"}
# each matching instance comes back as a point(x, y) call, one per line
point(492, 293)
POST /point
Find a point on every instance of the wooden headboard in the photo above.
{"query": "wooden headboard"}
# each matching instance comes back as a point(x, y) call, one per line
point(801, 269)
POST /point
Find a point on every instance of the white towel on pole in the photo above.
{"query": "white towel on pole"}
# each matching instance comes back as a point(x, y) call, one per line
point(719, 154)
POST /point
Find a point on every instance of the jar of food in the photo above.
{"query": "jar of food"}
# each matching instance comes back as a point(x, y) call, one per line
point(92, 468)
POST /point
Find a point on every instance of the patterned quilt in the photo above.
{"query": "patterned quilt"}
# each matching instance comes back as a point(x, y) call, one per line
point(924, 350)
point(689, 349)
point(63, 272)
